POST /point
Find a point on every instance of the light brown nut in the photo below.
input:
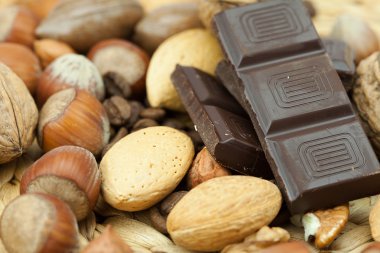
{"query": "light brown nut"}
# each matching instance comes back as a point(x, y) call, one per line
point(151, 5)
point(374, 221)
point(352, 239)
point(144, 167)
point(357, 34)
point(19, 116)
point(325, 225)
point(164, 22)
point(209, 8)
point(263, 238)
point(222, 211)
point(109, 242)
point(82, 23)
point(136, 233)
point(195, 47)
point(17, 25)
point(204, 168)
point(48, 50)
point(28, 69)
point(361, 208)
point(123, 64)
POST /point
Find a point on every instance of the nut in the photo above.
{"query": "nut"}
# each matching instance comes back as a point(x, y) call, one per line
point(19, 116)
point(136, 233)
point(71, 70)
point(17, 25)
point(73, 117)
point(150, 5)
point(196, 48)
point(123, 64)
point(294, 247)
point(40, 7)
point(325, 225)
point(48, 50)
point(209, 8)
point(365, 95)
point(77, 22)
point(372, 248)
point(118, 110)
point(204, 168)
point(144, 167)
point(87, 226)
point(357, 34)
point(38, 223)
point(222, 211)
point(164, 22)
point(108, 241)
point(28, 69)
point(76, 172)
point(374, 221)
point(263, 238)
point(170, 201)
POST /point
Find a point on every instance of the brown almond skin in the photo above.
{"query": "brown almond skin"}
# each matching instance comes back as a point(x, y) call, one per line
point(108, 242)
point(81, 122)
point(23, 62)
point(55, 231)
point(23, 26)
point(204, 168)
point(372, 248)
point(293, 247)
point(48, 50)
point(137, 85)
point(72, 163)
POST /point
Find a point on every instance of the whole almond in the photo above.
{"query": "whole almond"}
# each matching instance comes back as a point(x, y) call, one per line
point(195, 47)
point(144, 167)
point(82, 23)
point(222, 211)
point(19, 116)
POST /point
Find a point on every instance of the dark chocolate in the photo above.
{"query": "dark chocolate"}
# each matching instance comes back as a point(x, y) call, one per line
point(313, 141)
point(343, 58)
point(223, 125)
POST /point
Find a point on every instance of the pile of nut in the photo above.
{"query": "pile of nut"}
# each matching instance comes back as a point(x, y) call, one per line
point(97, 153)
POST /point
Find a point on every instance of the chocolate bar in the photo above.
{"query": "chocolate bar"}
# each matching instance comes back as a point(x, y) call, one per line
point(221, 122)
point(313, 141)
point(343, 58)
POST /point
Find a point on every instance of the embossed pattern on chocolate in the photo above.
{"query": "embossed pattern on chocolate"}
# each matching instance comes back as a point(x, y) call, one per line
point(314, 143)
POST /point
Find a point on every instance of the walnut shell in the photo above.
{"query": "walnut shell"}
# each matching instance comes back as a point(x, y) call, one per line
point(19, 115)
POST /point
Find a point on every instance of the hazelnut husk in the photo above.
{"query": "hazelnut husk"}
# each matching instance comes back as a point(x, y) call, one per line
point(23, 62)
point(204, 168)
point(38, 223)
point(73, 117)
point(17, 25)
point(48, 50)
point(123, 65)
point(70, 70)
point(19, 116)
point(76, 172)
point(109, 242)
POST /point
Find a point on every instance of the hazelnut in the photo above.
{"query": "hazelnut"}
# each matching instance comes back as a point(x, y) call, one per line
point(71, 70)
point(34, 223)
point(204, 168)
point(17, 25)
point(357, 34)
point(109, 242)
point(73, 117)
point(163, 22)
point(48, 50)
point(23, 62)
point(123, 64)
point(76, 172)
point(19, 116)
